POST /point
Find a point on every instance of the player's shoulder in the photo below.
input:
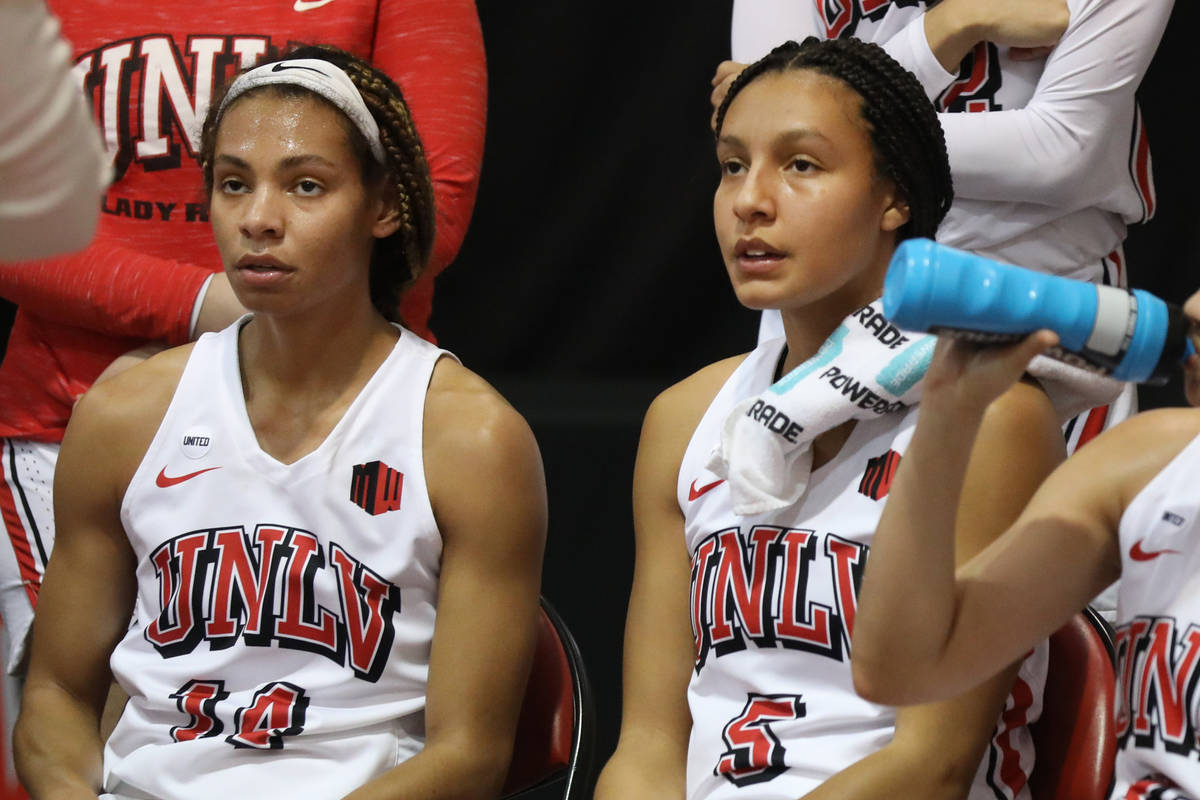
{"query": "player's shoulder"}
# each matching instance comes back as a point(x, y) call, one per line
point(673, 416)
point(1175, 423)
point(683, 404)
point(1129, 455)
point(479, 452)
point(138, 396)
point(1155, 436)
point(464, 414)
point(113, 424)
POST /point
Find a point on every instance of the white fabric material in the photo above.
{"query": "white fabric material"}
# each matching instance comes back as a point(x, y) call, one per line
point(321, 78)
point(910, 47)
point(773, 599)
point(28, 474)
point(1071, 390)
point(1157, 642)
point(865, 369)
point(1044, 180)
point(53, 168)
point(284, 612)
point(198, 305)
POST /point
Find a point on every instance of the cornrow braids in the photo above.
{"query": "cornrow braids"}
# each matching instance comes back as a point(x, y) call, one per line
point(398, 260)
point(905, 134)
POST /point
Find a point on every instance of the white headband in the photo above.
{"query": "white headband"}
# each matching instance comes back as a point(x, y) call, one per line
point(319, 77)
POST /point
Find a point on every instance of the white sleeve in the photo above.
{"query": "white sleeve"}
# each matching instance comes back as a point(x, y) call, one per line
point(52, 165)
point(758, 26)
point(911, 48)
point(1059, 149)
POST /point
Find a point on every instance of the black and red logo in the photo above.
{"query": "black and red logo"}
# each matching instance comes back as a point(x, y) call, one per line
point(375, 487)
point(877, 477)
point(842, 17)
point(978, 81)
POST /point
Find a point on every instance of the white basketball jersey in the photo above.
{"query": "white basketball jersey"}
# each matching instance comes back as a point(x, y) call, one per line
point(284, 612)
point(774, 711)
point(1158, 636)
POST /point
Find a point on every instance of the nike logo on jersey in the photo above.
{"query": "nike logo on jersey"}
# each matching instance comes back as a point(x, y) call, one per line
point(309, 5)
point(1138, 554)
point(163, 481)
point(694, 493)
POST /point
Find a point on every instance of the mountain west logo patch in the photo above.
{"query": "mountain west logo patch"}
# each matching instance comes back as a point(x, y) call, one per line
point(375, 487)
point(877, 477)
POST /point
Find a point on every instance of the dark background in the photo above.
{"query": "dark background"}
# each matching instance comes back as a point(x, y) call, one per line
point(590, 278)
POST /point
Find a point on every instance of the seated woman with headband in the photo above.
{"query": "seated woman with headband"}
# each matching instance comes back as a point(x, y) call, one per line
point(327, 531)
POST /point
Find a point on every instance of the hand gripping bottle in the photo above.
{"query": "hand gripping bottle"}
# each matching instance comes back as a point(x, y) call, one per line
point(1130, 335)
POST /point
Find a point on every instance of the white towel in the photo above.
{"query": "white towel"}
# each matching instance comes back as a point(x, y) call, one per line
point(1073, 390)
point(866, 368)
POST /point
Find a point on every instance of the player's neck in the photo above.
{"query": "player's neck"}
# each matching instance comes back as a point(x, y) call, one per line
point(299, 357)
point(312, 346)
point(807, 328)
point(298, 383)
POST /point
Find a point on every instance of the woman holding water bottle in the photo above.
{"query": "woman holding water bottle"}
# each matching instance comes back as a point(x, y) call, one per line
point(1125, 506)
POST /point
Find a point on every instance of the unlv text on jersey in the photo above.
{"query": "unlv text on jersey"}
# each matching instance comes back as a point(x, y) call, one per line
point(222, 586)
point(752, 591)
point(1156, 688)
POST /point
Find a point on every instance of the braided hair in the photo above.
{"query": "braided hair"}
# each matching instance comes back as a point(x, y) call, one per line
point(397, 260)
point(906, 137)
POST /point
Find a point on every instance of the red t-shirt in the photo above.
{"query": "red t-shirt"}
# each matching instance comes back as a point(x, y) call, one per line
point(150, 71)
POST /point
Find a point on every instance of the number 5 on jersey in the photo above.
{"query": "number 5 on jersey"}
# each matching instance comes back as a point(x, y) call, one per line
point(754, 754)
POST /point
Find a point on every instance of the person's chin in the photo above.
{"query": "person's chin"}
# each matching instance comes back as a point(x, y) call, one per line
point(759, 296)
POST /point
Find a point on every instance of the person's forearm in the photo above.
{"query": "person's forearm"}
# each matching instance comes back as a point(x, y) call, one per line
point(954, 27)
point(644, 769)
point(57, 746)
point(1068, 146)
point(111, 290)
point(915, 544)
point(446, 771)
point(952, 31)
point(934, 753)
point(887, 774)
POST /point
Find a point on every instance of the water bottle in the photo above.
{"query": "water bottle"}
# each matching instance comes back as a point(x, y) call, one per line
point(1130, 335)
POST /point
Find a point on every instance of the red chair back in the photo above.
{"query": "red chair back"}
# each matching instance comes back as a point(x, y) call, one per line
point(1075, 738)
point(554, 736)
